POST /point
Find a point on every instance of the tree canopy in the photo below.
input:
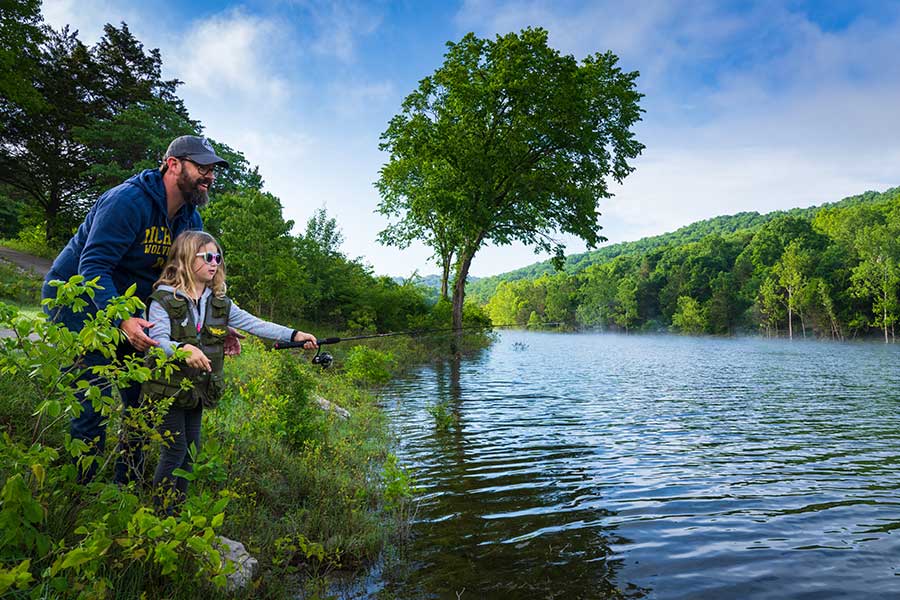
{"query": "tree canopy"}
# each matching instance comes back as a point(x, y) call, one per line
point(94, 114)
point(508, 140)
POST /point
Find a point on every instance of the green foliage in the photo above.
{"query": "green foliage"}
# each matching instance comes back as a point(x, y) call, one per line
point(689, 317)
point(832, 271)
point(264, 274)
point(94, 114)
point(62, 539)
point(507, 141)
point(743, 224)
point(369, 366)
point(31, 239)
point(287, 278)
point(11, 216)
point(400, 494)
point(443, 416)
point(17, 286)
point(294, 552)
point(20, 37)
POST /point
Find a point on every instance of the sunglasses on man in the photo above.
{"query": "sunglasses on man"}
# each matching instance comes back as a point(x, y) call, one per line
point(211, 257)
point(204, 170)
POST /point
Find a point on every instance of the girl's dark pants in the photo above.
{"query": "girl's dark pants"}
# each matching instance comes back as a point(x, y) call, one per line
point(180, 429)
point(90, 425)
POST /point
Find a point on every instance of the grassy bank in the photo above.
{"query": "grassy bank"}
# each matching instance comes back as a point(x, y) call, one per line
point(311, 494)
point(305, 490)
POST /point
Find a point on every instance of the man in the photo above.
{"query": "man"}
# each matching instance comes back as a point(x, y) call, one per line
point(124, 240)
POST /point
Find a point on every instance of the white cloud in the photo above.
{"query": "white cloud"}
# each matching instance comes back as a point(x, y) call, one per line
point(786, 115)
point(338, 25)
point(230, 57)
point(87, 16)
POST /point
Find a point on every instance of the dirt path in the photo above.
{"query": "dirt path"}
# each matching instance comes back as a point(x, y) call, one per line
point(35, 264)
point(39, 266)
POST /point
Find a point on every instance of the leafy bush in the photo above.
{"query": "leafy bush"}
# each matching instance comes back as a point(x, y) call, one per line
point(369, 366)
point(399, 494)
point(32, 240)
point(278, 398)
point(18, 286)
point(62, 539)
point(443, 417)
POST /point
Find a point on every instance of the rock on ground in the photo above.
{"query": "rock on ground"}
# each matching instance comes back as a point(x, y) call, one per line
point(331, 407)
point(245, 565)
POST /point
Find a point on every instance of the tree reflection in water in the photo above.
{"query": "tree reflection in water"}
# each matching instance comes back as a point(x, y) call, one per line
point(500, 516)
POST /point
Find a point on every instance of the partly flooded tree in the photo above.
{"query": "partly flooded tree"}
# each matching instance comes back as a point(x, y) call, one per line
point(509, 141)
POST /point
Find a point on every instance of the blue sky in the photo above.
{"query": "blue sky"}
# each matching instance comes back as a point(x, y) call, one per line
point(749, 105)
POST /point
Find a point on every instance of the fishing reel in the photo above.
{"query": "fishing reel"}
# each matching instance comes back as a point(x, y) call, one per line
point(323, 359)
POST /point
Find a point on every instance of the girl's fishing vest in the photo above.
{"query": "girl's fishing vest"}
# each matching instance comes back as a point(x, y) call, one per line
point(209, 337)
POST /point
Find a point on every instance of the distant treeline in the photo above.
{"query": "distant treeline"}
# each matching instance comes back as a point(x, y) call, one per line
point(829, 271)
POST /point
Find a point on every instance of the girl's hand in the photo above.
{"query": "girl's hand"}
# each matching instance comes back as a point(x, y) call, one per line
point(309, 338)
point(197, 359)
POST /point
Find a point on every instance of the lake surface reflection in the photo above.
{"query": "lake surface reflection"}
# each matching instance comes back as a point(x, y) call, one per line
point(609, 466)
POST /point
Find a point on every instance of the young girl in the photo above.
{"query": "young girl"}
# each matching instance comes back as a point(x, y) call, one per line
point(189, 310)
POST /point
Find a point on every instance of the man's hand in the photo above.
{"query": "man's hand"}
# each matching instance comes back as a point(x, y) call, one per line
point(197, 359)
point(133, 329)
point(232, 345)
point(309, 338)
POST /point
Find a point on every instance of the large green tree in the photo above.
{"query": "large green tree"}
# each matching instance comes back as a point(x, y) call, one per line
point(100, 111)
point(523, 139)
point(877, 274)
point(21, 34)
point(791, 272)
point(263, 273)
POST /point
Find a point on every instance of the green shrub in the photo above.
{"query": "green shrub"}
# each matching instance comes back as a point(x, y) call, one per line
point(61, 539)
point(369, 366)
point(400, 492)
point(19, 287)
point(443, 417)
point(32, 240)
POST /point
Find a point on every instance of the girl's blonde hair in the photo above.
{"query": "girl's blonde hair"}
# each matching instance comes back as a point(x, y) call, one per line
point(178, 271)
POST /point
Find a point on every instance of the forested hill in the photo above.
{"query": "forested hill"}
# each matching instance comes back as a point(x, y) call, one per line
point(482, 289)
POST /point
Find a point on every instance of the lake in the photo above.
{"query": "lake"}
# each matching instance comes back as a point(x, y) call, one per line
point(613, 466)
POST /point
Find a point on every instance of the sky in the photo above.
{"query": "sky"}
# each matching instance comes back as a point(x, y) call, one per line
point(749, 106)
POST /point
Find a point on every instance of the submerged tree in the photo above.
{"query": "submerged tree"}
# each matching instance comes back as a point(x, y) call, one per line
point(518, 139)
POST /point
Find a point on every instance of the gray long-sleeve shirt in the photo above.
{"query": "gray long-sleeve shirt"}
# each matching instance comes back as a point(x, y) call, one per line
point(237, 318)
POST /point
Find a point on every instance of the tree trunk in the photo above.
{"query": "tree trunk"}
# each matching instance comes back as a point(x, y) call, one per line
point(459, 295)
point(790, 323)
point(51, 216)
point(445, 278)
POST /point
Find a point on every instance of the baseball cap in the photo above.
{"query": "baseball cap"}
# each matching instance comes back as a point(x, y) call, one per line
point(196, 148)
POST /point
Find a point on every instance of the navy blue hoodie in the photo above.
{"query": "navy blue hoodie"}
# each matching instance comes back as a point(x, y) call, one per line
point(125, 238)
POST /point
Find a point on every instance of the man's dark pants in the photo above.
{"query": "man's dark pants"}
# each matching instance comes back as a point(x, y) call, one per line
point(90, 425)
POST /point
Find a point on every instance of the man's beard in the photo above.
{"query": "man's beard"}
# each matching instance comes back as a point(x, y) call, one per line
point(191, 192)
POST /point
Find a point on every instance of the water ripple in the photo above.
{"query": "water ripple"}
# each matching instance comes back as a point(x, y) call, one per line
point(658, 467)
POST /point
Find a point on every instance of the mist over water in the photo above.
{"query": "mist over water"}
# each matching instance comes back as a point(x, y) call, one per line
point(609, 466)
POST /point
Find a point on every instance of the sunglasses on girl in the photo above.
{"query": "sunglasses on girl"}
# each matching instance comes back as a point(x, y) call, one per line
point(211, 257)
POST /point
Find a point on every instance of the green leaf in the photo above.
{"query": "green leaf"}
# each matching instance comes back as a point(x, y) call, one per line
point(75, 558)
point(184, 474)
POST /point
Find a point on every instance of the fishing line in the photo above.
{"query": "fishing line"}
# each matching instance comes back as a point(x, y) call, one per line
point(325, 359)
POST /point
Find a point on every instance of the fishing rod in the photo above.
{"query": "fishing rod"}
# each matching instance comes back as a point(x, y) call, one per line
point(325, 359)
